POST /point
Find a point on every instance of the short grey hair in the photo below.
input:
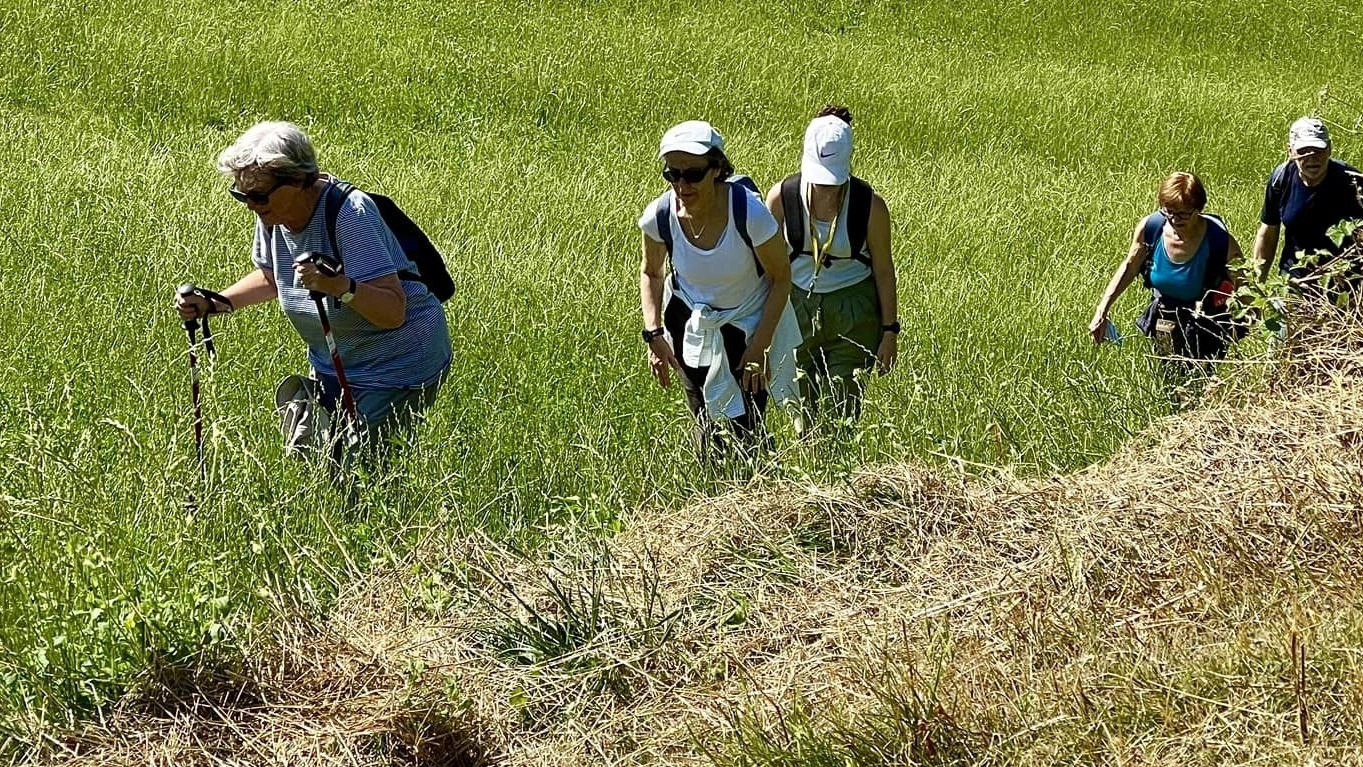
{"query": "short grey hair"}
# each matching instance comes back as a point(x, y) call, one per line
point(281, 148)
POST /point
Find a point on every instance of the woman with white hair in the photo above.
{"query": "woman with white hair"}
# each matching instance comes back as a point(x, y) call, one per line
point(389, 329)
point(720, 315)
point(837, 229)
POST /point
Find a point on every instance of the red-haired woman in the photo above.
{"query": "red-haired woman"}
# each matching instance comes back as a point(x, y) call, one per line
point(1183, 255)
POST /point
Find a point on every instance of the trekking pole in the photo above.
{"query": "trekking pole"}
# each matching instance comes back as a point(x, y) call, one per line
point(331, 269)
point(191, 328)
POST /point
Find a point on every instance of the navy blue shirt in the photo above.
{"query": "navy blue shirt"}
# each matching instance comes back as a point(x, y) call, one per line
point(1307, 213)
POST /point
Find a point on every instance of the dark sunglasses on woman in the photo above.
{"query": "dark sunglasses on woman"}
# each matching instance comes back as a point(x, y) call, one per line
point(689, 175)
point(259, 198)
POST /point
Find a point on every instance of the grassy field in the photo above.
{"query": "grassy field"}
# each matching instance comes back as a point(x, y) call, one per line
point(1016, 144)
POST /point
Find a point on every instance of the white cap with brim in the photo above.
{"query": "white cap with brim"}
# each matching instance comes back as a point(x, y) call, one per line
point(1308, 133)
point(828, 152)
point(691, 137)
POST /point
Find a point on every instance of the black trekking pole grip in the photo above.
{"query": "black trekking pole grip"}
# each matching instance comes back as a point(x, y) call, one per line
point(324, 263)
point(185, 291)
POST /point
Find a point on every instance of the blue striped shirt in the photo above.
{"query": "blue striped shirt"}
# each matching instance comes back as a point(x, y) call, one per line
point(402, 357)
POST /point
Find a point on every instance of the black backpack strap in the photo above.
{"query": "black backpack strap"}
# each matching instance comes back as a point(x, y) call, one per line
point(1217, 270)
point(1218, 250)
point(1150, 233)
point(738, 206)
point(746, 182)
point(337, 192)
point(794, 212)
point(859, 218)
point(333, 198)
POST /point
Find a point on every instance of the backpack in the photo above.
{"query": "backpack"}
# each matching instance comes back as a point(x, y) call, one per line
point(415, 244)
point(858, 217)
point(1218, 244)
point(738, 209)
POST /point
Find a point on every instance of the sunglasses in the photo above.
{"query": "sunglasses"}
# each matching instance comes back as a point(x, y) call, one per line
point(259, 198)
point(1178, 217)
point(689, 175)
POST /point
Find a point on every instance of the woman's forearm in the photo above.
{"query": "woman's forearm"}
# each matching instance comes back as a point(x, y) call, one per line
point(651, 299)
point(382, 302)
point(1121, 279)
point(777, 299)
point(253, 288)
point(887, 290)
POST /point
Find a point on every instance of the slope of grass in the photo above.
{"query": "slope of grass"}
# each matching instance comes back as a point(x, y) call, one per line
point(1015, 144)
point(1193, 600)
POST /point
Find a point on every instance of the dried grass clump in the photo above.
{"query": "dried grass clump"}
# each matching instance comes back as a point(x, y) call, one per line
point(313, 699)
point(1195, 599)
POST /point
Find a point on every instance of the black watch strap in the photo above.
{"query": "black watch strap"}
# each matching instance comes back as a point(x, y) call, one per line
point(893, 327)
point(649, 335)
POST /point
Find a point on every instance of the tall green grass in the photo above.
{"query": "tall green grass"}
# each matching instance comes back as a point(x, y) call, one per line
point(1016, 144)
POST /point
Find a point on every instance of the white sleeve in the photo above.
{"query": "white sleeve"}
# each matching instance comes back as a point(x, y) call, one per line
point(648, 221)
point(762, 224)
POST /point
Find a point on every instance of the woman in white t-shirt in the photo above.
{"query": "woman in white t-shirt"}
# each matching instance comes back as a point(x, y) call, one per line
point(721, 317)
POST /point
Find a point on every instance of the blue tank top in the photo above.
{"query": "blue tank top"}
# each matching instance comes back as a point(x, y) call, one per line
point(1182, 282)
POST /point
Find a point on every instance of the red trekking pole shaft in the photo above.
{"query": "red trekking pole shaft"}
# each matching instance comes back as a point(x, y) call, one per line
point(330, 267)
point(347, 401)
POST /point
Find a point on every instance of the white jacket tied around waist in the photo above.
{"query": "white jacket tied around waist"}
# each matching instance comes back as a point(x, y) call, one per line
point(703, 347)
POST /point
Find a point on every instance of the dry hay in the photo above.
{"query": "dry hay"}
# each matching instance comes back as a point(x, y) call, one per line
point(312, 700)
point(1195, 599)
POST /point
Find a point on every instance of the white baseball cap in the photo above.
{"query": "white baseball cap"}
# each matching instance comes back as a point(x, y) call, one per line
point(828, 151)
point(1308, 133)
point(692, 137)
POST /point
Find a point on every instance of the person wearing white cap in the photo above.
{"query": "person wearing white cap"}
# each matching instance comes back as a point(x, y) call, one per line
point(837, 231)
point(1308, 195)
point(721, 318)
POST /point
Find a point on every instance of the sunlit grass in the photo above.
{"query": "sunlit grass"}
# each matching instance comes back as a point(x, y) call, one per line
point(1015, 145)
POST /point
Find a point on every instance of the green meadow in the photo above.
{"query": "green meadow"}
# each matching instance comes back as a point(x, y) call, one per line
point(1016, 144)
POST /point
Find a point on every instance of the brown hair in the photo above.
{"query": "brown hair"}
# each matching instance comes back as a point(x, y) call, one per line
point(720, 160)
point(836, 110)
point(1183, 189)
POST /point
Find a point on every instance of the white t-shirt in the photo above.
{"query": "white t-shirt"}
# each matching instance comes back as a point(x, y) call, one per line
point(843, 270)
point(726, 275)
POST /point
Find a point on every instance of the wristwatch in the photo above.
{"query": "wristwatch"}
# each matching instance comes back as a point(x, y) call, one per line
point(349, 294)
point(893, 327)
point(649, 335)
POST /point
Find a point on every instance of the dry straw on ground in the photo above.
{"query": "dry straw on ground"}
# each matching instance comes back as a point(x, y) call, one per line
point(1196, 599)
